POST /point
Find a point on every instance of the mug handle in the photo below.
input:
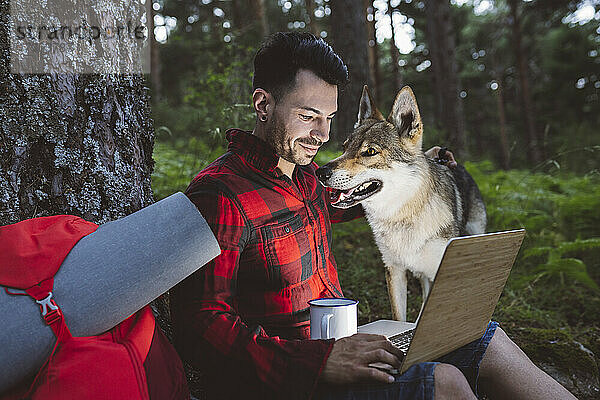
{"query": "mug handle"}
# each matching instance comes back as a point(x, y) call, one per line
point(325, 325)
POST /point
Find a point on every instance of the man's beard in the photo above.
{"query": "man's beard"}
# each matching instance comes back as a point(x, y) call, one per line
point(279, 140)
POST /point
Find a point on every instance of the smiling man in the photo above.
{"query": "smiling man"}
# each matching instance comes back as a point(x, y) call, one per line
point(297, 125)
point(243, 319)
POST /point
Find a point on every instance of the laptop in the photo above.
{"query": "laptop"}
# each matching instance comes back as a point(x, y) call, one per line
point(464, 294)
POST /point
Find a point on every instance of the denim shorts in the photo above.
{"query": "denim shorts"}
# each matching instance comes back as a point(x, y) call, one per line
point(417, 382)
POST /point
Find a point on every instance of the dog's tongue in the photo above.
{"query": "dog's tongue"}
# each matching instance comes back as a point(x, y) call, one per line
point(343, 195)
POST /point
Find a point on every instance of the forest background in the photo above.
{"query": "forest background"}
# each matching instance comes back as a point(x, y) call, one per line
point(512, 87)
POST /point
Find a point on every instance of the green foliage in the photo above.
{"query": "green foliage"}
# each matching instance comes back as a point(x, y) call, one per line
point(208, 106)
point(563, 228)
point(176, 163)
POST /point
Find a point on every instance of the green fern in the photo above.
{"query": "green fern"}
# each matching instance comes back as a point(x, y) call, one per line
point(563, 268)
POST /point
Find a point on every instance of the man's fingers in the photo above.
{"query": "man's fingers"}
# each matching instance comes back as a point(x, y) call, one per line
point(442, 155)
point(450, 157)
point(374, 375)
point(433, 152)
point(386, 345)
point(368, 337)
point(394, 350)
point(354, 354)
point(380, 355)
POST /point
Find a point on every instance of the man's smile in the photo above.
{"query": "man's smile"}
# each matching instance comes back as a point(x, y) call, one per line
point(311, 150)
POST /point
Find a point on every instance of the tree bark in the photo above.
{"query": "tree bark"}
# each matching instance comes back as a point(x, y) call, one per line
point(445, 84)
point(373, 51)
point(72, 144)
point(396, 77)
point(347, 21)
point(525, 93)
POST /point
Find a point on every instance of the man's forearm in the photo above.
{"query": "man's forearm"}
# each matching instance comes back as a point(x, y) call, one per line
point(220, 343)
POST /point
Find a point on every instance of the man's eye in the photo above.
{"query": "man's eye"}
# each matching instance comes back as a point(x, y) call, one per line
point(305, 117)
point(370, 152)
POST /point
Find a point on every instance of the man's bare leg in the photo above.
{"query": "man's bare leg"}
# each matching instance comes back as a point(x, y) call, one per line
point(507, 373)
point(451, 384)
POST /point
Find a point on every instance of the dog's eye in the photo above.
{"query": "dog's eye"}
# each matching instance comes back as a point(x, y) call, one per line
point(370, 152)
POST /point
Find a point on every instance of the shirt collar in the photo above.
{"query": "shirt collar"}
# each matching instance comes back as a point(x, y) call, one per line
point(254, 150)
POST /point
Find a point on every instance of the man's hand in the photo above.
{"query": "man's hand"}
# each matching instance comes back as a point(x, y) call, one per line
point(350, 357)
point(442, 155)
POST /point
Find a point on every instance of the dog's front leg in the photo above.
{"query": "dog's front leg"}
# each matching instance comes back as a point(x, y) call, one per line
point(425, 289)
point(397, 286)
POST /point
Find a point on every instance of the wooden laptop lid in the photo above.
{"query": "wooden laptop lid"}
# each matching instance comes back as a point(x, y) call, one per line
point(466, 289)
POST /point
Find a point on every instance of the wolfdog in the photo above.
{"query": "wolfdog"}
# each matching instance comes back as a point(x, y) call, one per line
point(413, 204)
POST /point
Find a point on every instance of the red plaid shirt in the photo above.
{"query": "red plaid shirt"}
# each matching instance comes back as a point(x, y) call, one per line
point(239, 318)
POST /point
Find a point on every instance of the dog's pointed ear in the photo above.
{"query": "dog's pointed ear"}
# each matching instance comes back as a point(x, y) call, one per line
point(406, 117)
point(367, 108)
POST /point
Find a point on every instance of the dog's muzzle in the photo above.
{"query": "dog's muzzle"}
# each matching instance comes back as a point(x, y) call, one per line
point(324, 173)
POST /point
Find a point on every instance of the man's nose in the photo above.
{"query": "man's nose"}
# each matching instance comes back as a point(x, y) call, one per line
point(321, 132)
point(324, 173)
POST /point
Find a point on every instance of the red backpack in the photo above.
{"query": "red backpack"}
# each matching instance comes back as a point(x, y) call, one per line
point(134, 360)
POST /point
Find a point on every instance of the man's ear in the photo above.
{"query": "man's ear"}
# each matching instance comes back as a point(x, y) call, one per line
point(367, 108)
point(406, 117)
point(264, 103)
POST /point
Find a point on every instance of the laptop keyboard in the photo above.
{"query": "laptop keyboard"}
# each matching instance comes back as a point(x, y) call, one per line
point(402, 340)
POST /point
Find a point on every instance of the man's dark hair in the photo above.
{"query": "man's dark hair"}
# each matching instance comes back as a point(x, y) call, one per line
point(284, 53)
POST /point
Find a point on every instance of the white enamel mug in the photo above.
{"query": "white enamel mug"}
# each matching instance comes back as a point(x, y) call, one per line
point(332, 318)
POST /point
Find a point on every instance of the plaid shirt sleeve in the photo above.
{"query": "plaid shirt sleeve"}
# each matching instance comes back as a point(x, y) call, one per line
point(215, 338)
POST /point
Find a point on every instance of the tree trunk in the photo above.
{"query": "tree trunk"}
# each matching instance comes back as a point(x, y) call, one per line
point(155, 71)
point(258, 6)
point(528, 110)
point(249, 18)
point(396, 77)
point(373, 51)
point(448, 106)
point(504, 146)
point(72, 144)
point(347, 21)
point(315, 29)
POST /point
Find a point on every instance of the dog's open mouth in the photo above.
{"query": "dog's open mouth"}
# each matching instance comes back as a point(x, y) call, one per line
point(348, 198)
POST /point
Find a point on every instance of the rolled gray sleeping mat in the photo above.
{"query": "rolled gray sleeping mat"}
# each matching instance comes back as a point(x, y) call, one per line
point(108, 275)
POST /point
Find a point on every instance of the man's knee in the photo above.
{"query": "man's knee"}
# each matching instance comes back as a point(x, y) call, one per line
point(500, 353)
point(450, 383)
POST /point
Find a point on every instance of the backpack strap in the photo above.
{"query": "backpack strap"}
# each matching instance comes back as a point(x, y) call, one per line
point(50, 311)
point(52, 315)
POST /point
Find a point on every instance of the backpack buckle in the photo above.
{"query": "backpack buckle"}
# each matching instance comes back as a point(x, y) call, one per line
point(49, 316)
point(47, 303)
point(52, 317)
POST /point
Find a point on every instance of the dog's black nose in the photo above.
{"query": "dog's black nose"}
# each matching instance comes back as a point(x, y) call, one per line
point(324, 173)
